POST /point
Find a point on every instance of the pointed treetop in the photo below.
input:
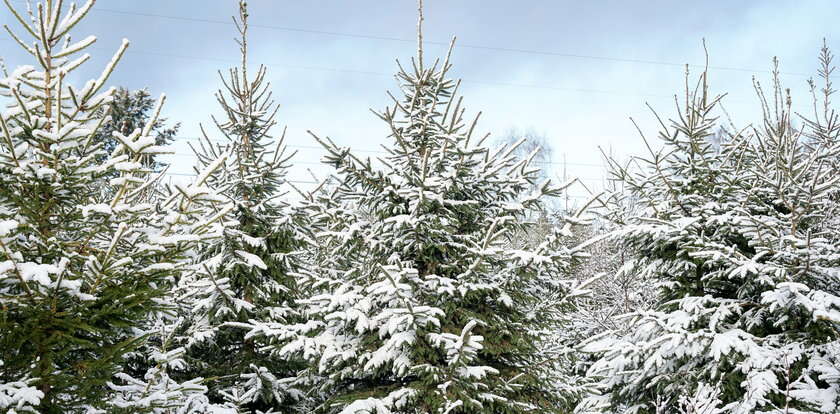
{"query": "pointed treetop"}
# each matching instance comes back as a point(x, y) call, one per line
point(242, 26)
point(420, 34)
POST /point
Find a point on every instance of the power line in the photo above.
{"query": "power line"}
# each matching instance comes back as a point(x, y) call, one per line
point(372, 73)
point(553, 163)
point(303, 182)
point(383, 152)
point(297, 146)
point(193, 175)
point(466, 46)
point(384, 74)
point(294, 163)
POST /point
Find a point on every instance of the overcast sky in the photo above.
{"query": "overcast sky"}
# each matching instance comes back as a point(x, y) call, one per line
point(571, 70)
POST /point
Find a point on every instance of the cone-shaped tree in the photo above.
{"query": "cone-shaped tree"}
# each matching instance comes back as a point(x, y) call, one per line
point(246, 280)
point(425, 307)
point(84, 250)
point(737, 241)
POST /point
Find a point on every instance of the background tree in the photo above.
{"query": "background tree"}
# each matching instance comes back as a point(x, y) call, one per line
point(132, 110)
point(533, 141)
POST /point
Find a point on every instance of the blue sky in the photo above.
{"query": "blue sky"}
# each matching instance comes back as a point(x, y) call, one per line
point(591, 64)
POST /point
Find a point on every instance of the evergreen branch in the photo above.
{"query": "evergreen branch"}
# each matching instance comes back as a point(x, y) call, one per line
point(109, 69)
point(20, 19)
point(659, 169)
point(18, 40)
point(74, 18)
point(19, 275)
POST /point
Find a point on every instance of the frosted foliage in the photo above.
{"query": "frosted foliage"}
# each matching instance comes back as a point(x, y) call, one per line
point(418, 288)
point(88, 241)
point(703, 401)
point(245, 281)
point(19, 397)
point(738, 241)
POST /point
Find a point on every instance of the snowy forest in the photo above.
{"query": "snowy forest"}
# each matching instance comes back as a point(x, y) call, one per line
point(439, 278)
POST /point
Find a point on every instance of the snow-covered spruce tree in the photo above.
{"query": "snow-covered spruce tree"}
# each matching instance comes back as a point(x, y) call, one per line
point(246, 278)
point(425, 307)
point(149, 379)
point(83, 254)
point(736, 240)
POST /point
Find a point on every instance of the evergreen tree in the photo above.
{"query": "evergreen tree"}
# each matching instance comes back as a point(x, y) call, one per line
point(80, 268)
point(424, 307)
point(130, 110)
point(738, 242)
point(246, 281)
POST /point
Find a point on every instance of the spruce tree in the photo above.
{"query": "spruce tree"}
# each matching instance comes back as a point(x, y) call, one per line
point(246, 280)
point(423, 306)
point(738, 242)
point(84, 250)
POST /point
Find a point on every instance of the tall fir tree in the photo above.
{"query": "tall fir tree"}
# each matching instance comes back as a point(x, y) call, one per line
point(423, 305)
point(80, 268)
point(738, 242)
point(247, 278)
